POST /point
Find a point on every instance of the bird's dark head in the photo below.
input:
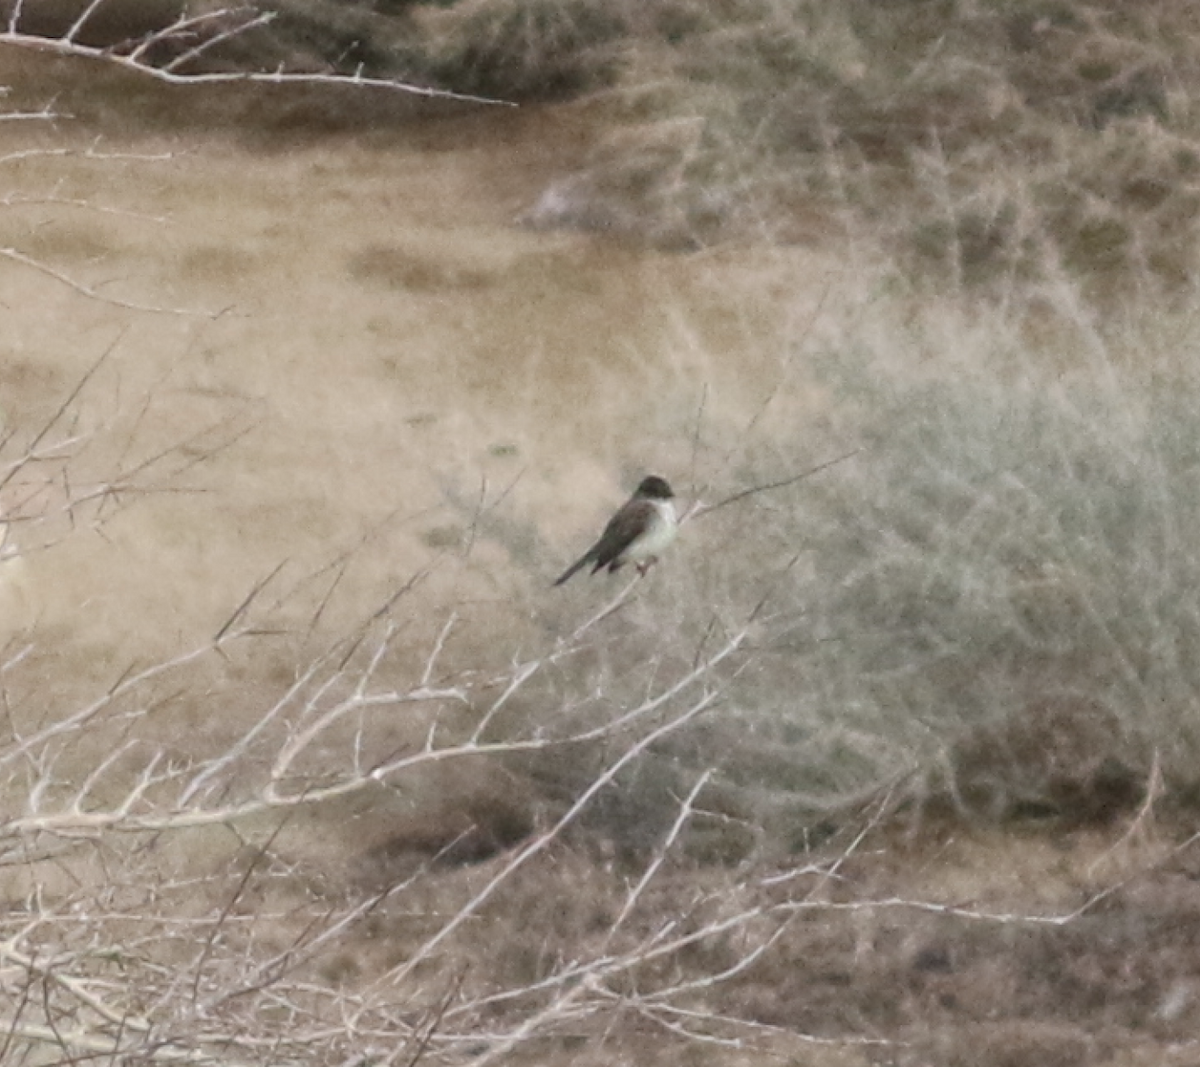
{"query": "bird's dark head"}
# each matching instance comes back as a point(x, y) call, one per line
point(655, 488)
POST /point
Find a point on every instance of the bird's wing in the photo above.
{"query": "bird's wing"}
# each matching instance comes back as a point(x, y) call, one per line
point(625, 527)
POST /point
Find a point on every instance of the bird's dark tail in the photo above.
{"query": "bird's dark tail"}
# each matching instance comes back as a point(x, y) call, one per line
point(577, 565)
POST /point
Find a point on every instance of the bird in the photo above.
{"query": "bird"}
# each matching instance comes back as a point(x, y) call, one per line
point(642, 527)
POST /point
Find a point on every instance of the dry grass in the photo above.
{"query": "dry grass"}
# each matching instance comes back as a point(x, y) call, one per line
point(408, 805)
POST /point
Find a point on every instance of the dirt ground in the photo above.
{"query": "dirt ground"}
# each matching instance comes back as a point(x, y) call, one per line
point(393, 349)
point(342, 354)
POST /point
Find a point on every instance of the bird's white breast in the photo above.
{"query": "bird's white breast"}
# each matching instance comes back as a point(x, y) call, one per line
point(660, 534)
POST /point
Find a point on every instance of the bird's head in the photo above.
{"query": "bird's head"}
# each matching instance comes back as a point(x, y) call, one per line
point(654, 488)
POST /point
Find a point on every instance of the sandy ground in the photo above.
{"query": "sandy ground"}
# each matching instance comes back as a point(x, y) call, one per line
point(386, 354)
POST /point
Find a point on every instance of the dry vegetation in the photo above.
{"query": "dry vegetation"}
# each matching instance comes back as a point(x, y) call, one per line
point(985, 143)
point(301, 761)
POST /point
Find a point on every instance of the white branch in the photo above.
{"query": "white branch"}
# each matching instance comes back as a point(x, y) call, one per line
point(136, 59)
point(93, 294)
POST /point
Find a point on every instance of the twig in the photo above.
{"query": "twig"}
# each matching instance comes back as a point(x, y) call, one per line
point(686, 810)
point(136, 62)
point(700, 510)
point(93, 294)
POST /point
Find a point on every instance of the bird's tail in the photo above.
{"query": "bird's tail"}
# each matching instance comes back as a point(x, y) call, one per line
point(581, 562)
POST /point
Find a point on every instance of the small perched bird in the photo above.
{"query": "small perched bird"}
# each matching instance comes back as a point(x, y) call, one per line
point(637, 533)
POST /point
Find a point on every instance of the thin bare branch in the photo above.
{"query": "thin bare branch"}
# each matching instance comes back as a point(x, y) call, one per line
point(138, 62)
point(93, 294)
point(700, 510)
